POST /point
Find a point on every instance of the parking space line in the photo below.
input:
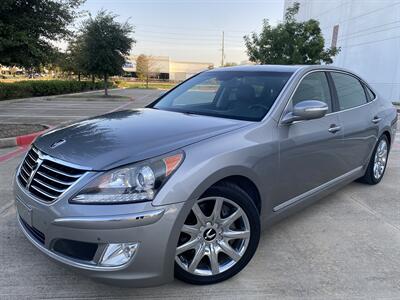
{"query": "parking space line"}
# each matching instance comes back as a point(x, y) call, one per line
point(59, 107)
point(120, 107)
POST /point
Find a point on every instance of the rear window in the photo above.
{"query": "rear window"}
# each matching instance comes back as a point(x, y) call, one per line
point(228, 94)
point(370, 94)
point(349, 90)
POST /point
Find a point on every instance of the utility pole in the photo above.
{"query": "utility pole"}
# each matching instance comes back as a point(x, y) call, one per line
point(223, 49)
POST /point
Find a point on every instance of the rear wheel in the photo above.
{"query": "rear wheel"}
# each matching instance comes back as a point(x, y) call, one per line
point(219, 237)
point(377, 165)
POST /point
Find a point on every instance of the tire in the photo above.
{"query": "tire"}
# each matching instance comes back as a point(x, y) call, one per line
point(213, 238)
point(372, 177)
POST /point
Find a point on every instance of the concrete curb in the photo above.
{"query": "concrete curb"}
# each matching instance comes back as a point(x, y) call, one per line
point(22, 140)
point(8, 142)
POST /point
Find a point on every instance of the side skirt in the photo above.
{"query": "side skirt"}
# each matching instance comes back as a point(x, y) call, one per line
point(318, 189)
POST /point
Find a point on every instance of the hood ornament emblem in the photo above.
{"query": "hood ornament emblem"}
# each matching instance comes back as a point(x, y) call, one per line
point(58, 143)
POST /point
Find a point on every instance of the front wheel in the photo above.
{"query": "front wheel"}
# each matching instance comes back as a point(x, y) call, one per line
point(377, 165)
point(219, 237)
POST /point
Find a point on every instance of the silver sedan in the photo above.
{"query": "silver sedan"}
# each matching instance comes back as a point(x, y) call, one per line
point(184, 186)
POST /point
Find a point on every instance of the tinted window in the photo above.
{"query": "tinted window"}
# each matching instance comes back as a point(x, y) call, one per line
point(313, 87)
point(202, 93)
point(229, 94)
point(370, 93)
point(349, 90)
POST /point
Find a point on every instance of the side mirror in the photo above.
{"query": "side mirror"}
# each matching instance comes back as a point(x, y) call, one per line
point(306, 110)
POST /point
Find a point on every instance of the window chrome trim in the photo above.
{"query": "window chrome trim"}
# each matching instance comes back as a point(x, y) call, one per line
point(362, 83)
point(331, 113)
point(359, 79)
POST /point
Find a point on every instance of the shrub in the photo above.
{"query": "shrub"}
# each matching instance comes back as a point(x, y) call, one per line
point(35, 88)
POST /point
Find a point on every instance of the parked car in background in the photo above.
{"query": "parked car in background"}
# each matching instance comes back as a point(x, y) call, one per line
point(185, 185)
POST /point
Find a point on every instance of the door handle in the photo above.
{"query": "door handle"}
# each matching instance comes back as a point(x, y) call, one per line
point(334, 128)
point(376, 120)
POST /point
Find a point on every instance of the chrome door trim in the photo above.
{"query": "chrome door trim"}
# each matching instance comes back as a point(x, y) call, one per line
point(316, 189)
point(334, 112)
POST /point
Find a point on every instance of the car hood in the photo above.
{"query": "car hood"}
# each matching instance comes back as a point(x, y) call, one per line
point(123, 137)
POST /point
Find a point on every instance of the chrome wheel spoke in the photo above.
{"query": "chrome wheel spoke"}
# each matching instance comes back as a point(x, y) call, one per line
point(232, 218)
point(214, 260)
point(187, 246)
point(228, 250)
point(197, 257)
point(201, 218)
point(216, 214)
point(236, 235)
point(191, 230)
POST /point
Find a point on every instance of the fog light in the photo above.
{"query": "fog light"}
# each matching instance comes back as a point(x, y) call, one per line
point(118, 254)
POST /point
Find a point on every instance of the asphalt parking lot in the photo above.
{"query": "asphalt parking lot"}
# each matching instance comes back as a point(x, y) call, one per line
point(345, 246)
point(55, 110)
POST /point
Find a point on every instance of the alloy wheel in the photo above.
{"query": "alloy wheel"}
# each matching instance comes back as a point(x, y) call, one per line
point(214, 237)
point(380, 159)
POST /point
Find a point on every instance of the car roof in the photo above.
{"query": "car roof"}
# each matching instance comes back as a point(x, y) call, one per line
point(276, 68)
point(261, 68)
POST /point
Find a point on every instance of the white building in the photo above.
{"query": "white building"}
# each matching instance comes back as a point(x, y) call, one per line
point(368, 33)
point(165, 68)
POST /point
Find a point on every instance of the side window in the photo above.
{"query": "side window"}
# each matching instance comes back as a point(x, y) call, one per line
point(370, 94)
point(313, 87)
point(349, 90)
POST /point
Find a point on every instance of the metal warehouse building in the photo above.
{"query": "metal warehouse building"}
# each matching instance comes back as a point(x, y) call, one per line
point(368, 33)
point(164, 68)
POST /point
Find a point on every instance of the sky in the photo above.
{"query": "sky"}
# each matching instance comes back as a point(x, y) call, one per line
point(191, 30)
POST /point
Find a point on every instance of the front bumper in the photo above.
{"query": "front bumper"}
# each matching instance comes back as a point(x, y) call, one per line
point(154, 229)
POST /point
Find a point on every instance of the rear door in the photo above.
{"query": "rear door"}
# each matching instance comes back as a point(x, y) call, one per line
point(309, 149)
point(356, 113)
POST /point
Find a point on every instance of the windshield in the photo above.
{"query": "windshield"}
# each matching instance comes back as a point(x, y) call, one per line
point(230, 94)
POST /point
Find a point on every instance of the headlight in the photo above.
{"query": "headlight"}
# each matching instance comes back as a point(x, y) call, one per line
point(132, 183)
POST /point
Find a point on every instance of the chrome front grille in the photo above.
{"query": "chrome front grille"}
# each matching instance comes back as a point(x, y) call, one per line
point(45, 178)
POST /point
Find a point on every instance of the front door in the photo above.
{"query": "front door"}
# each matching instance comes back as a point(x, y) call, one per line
point(309, 149)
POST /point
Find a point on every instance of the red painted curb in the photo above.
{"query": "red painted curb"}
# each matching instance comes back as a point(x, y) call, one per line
point(12, 154)
point(24, 140)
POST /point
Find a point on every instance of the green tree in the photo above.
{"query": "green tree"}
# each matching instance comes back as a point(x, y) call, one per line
point(73, 60)
point(145, 66)
point(290, 42)
point(28, 28)
point(104, 45)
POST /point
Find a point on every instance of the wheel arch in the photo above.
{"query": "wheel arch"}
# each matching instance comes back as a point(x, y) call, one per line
point(243, 177)
point(386, 132)
point(246, 185)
